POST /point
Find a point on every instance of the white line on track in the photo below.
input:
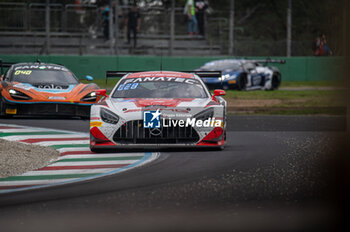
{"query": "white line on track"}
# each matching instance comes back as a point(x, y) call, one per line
point(58, 136)
point(102, 155)
point(74, 171)
point(88, 166)
point(65, 149)
point(86, 163)
point(50, 143)
point(33, 182)
point(44, 129)
point(19, 130)
point(12, 125)
point(44, 183)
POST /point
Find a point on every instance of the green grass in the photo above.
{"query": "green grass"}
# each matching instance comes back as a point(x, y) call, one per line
point(287, 102)
point(302, 98)
point(311, 83)
point(293, 111)
point(102, 82)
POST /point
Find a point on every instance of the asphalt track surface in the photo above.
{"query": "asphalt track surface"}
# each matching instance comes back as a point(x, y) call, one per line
point(274, 175)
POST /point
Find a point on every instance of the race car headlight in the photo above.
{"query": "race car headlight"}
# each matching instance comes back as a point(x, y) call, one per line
point(205, 114)
point(90, 97)
point(224, 77)
point(108, 116)
point(227, 76)
point(15, 94)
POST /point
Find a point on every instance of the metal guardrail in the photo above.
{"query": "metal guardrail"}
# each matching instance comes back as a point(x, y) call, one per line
point(84, 18)
point(81, 18)
point(13, 16)
point(63, 18)
point(86, 21)
point(36, 17)
point(154, 20)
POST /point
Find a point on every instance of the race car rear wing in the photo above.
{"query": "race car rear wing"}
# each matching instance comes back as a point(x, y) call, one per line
point(201, 74)
point(4, 65)
point(268, 60)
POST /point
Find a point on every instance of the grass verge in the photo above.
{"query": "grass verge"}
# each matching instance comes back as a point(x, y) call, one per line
point(311, 84)
point(102, 83)
point(287, 102)
point(280, 101)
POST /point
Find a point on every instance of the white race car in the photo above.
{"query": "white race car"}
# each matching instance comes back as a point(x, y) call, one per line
point(158, 109)
point(243, 74)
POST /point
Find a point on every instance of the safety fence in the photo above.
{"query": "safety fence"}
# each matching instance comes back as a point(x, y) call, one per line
point(63, 18)
point(83, 18)
point(87, 21)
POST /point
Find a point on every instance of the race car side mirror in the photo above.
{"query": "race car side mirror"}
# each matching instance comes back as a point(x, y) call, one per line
point(101, 92)
point(89, 78)
point(218, 92)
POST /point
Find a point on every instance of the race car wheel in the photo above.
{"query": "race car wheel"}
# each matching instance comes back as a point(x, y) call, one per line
point(101, 150)
point(221, 148)
point(276, 81)
point(2, 109)
point(242, 82)
point(96, 150)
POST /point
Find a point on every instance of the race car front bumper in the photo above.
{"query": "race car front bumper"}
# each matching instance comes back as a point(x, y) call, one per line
point(46, 109)
point(133, 135)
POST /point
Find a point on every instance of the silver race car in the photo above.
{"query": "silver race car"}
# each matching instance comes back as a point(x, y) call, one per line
point(159, 109)
point(243, 74)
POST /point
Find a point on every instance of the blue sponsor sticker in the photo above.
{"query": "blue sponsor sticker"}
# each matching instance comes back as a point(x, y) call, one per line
point(134, 86)
point(151, 119)
point(120, 88)
point(127, 86)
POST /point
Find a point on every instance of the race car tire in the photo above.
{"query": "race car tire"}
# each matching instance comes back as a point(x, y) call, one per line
point(93, 149)
point(103, 150)
point(98, 150)
point(221, 148)
point(2, 109)
point(242, 82)
point(1, 105)
point(276, 81)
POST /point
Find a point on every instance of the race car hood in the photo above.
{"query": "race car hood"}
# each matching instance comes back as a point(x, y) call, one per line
point(131, 108)
point(68, 93)
point(227, 74)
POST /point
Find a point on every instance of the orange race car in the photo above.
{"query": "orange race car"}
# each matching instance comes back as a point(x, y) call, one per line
point(44, 89)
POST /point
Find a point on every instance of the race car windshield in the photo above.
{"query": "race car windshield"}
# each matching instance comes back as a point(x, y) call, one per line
point(143, 88)
point(43, 76)
point(213, 66)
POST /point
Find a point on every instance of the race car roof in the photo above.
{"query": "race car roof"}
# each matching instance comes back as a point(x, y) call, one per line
point(161, 74)
point(39, 66)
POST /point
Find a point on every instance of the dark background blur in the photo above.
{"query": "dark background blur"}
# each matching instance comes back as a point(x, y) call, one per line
point(260, 26)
